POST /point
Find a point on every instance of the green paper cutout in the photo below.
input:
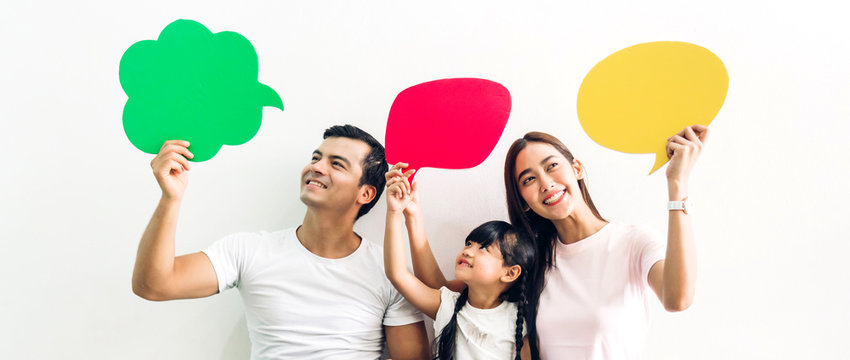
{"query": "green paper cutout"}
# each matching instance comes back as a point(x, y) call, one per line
point(193, 85)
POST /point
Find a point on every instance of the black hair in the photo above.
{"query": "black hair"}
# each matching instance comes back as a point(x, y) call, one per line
point(374, 164)
point(517, 248)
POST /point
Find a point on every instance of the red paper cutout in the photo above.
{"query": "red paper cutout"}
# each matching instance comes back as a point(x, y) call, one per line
point(449, 123)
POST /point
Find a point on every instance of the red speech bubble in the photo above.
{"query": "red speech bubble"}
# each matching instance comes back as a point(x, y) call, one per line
point(448, 124)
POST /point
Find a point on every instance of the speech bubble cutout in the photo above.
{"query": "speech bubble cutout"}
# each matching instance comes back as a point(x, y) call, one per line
point(449, 123)
point(636, 98)
point(193, 85)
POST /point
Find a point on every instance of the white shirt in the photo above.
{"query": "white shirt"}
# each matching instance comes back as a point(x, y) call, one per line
point(595, 303)
point(481, 333)
point(302, 306)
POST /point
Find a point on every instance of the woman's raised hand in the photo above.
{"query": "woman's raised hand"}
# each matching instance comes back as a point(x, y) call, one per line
point(683, 150)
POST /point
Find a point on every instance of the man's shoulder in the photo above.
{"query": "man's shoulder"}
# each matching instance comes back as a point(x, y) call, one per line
point(259, 238)
point(373, 251)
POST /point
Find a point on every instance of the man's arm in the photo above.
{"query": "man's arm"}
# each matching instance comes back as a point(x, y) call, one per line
point(158, 274)
point(407, 341)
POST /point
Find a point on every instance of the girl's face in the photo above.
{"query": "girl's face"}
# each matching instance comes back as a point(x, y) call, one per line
point(548, 182)
point(480, 265)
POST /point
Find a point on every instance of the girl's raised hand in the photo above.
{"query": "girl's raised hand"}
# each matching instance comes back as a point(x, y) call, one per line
point(398, 187)
point(683, 150)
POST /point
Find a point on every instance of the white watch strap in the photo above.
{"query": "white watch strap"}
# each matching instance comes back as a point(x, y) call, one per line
point(675, 205)
point(680, 205)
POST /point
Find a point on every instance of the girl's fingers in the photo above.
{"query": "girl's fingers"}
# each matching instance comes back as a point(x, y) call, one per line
point(405, 184)
point(393, 172)
point(395, 190)
point(393, 180)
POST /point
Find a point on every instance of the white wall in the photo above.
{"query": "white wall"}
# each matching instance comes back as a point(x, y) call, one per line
point(75, 195)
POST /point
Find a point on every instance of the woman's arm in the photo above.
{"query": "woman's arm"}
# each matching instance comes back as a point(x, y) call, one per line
point(423, 297)
point(674, 279)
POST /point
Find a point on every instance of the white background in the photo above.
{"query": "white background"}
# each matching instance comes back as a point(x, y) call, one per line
point(75, 195)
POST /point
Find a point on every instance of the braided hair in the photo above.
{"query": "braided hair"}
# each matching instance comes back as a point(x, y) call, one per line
point(446, 340)
point(517, 248)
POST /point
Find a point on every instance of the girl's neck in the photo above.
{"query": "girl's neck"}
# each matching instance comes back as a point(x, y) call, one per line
point(579, 225)
point(484, 297)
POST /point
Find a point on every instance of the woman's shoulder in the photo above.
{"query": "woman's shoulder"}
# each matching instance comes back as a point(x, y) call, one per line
point(639, 233)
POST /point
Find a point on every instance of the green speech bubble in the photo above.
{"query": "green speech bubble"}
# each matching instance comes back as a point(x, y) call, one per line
point(193, 85)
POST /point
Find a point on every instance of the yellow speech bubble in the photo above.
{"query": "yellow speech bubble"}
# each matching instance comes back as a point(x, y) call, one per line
point(636, 98)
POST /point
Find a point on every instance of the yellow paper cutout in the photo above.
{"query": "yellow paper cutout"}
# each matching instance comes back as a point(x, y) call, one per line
point(636, 98)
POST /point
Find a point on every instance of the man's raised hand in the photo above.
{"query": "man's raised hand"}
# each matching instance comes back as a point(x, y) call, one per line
point(170, 168)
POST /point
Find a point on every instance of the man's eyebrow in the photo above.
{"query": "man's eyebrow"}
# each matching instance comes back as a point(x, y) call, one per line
point(333, 157)
point(337, 157)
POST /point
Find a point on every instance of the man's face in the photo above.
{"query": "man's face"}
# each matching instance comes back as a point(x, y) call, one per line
point(331, 178)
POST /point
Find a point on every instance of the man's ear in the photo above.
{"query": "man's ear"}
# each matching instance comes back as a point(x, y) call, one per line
point(511, 274)
point(367, 194)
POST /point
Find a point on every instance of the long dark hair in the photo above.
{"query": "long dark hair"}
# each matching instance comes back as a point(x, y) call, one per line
point(517, 249)
point(542, 230)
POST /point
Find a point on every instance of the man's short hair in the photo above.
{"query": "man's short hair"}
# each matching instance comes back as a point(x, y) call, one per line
point(374, 164)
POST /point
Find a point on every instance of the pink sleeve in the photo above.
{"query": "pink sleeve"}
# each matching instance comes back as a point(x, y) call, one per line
point(650, 248)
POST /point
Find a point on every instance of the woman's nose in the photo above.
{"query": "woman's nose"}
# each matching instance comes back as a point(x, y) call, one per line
point(546, 183)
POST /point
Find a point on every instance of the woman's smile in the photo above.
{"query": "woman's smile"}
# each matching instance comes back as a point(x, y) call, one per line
point(554, 199)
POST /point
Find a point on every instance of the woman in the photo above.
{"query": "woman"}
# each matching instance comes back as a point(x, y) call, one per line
point(593, 277)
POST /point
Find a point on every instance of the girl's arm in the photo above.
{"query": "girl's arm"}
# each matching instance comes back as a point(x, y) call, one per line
point(423, 297)
point(425, 265)
point(674, 279)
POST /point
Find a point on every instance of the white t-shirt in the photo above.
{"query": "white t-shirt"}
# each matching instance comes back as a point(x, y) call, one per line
point(481, 333)
point(595, 303)
point(302, 306)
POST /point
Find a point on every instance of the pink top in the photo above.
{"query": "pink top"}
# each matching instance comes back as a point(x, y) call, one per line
point(595, 303)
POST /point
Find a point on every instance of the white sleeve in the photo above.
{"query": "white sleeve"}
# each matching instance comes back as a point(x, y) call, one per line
point(399, 311)
point(227, 256)
point(448, 299)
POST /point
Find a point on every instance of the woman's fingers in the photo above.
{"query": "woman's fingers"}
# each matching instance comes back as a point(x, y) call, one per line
point(702, 132)
point(672, 148)
point(690, 134)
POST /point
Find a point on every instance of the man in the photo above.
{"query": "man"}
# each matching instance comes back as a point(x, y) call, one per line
point(315, 291)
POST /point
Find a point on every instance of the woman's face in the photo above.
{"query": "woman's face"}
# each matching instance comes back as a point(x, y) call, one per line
point(547, 181)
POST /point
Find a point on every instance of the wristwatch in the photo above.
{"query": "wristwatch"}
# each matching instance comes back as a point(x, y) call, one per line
point(683, 205)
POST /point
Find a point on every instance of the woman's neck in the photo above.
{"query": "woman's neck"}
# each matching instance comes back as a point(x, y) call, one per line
point(579, 225)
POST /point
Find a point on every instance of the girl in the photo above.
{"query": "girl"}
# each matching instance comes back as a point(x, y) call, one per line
point(487, 319)
point(593, 278)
